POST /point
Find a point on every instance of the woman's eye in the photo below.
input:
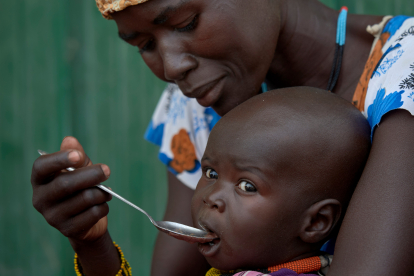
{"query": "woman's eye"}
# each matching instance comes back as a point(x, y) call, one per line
point(191, 26)
point(211, 174)
point(247, 187)
point(148, 46)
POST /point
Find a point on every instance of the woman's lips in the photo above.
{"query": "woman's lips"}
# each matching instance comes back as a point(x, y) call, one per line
point(209, 93)
point(212, 94)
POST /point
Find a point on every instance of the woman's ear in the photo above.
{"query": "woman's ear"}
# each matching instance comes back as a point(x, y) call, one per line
point(319, 220)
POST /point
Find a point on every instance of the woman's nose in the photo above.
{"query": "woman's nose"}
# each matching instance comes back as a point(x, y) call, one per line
point(213, 197)
point(177, 62)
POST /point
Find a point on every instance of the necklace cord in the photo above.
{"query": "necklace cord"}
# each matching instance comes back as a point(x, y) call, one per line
point(339, 49)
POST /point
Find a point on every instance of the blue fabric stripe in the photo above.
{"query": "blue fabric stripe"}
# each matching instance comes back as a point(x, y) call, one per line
point(166, 161)
point(382, 105)
point(154, 135)
point(196, 167)
point(394, 25)
point(211, 117)
point(329, 246)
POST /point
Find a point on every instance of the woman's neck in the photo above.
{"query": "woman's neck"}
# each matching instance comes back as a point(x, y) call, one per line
point(306, 46)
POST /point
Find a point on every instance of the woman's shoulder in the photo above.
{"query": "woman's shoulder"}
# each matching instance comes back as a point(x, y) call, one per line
point(391, 81)
point(397, 30)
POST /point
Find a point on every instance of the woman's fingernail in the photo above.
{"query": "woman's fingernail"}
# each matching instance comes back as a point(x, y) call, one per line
point(74, 156)
point(106, 170)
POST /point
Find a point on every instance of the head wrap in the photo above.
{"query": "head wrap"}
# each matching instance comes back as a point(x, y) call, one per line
point(106, 7)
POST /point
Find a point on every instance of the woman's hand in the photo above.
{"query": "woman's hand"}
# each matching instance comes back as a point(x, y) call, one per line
point(68, 200)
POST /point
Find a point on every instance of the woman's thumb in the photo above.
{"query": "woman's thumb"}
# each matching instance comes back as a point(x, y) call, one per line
point(71, 143)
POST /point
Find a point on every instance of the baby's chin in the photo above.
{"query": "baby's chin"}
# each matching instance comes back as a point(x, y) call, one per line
point(219, 255)
point(230, 263)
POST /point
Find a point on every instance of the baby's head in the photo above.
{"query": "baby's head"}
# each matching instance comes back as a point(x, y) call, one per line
point(278, 172)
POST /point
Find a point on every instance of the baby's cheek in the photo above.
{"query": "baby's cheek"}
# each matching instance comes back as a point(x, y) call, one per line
point(195, 205)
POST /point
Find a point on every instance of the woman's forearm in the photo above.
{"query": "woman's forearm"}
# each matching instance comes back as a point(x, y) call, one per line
point(376, 237)
point(99, 257)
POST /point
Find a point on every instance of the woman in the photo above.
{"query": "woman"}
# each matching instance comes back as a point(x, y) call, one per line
point(220, 52)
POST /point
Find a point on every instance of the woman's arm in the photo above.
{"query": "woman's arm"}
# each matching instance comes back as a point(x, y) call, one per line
point(173, 257)
point(98, 257)
point(377, 235)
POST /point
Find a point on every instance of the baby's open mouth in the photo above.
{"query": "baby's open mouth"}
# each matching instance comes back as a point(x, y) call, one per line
point(209, 248)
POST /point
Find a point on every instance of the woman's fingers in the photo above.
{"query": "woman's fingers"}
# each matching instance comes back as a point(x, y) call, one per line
point(71, 143)
point(46, 166)
point(68, 184)
point(71, 155)
point(78, 226)
point(81, 202)
point(72, 205)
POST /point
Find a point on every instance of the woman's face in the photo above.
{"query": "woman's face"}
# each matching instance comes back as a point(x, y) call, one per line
point(216, 51)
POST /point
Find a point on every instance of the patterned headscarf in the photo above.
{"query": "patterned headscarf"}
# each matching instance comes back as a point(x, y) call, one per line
point(106, 7)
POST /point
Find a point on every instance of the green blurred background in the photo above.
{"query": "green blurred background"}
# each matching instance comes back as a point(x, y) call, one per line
point(64, 71)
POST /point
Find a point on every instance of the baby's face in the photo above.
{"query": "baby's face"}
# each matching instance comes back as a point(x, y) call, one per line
point(243, 196)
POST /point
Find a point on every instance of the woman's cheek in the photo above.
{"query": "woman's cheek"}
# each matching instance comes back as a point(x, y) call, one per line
point(155, 63)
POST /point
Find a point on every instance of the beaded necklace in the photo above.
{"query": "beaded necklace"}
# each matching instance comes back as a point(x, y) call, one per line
point(312, 264)
point(339, 48)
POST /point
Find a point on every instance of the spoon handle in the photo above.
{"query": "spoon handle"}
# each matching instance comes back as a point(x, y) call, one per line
point(106, 189)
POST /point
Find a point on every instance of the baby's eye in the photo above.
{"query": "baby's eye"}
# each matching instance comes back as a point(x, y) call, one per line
point(210, 173)
point(247, 187)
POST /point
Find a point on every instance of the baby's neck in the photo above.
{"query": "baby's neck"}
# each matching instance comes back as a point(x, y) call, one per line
point(316, 263)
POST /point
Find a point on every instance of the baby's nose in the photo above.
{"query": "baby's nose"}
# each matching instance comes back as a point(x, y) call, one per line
point(213, 197)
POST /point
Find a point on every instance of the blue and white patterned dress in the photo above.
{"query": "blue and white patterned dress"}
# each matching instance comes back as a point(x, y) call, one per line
point(181, 126)
point(388, 79)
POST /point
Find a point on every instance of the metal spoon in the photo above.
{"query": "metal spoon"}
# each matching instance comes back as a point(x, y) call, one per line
point(174, 229)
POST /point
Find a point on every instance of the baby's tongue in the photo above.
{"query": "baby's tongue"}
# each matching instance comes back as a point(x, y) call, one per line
point(192, 239)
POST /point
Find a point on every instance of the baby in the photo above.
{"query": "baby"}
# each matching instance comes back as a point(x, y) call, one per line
point(278, 173)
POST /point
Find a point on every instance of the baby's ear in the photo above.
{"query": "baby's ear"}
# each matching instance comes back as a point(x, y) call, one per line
point(319, 220)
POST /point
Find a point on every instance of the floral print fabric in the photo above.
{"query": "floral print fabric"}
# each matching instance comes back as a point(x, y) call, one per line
point(181, 126)
point(387, 82)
